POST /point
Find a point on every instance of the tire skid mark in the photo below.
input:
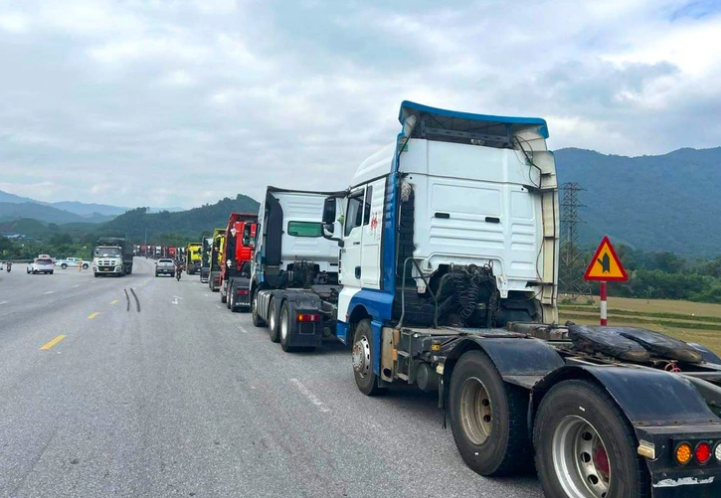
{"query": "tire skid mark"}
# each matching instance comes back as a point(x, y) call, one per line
point(137, 301)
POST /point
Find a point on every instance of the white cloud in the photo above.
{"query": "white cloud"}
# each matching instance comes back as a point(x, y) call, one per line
point(227, 96)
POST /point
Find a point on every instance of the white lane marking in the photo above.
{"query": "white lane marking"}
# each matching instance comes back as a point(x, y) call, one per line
point(240, 327)
point(311, 397)
point(49, 292)
point(206, 295)
point(175, 299)
point(76, 286)
point(4, 302)
point(218, 306)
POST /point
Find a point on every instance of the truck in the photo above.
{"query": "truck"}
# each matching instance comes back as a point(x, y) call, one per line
point(215, 259)
point(108, 260)
point(294, 279)
point(205, 255)
point(235, 258)
point(193, 258)
point(449, 268)
point(126, 249)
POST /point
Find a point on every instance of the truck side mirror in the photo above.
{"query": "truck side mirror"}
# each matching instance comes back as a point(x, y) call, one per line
point(329, 211)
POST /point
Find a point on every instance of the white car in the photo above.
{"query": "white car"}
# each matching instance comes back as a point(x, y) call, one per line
point(71, 263)
point(41, 265)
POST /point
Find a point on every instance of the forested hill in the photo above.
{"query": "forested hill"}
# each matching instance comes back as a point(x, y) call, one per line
point(655, 203)
point(134, 223)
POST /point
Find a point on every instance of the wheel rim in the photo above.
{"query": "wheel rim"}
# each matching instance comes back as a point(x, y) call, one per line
point(255, 306)
point(580, 459)
point(362, 356)
point(271, 318)
point(284, 325)
point(476, 411)
point(232, 298)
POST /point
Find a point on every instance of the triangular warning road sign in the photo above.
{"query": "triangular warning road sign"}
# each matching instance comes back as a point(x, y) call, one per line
point(605, 265)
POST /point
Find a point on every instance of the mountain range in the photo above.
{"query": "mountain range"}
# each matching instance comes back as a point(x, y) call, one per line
point(668, 202)
point(14, 207)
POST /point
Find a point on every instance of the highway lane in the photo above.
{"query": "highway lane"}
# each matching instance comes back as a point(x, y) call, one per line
point(185, 398)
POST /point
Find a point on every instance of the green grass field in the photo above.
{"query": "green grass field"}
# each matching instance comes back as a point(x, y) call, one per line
point(691, 322)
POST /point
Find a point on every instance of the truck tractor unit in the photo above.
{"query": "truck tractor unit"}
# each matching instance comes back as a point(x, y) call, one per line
point(193, 258)
point(236, 257)
point(126, 249)
point(108, 260)
point(449, 265)
point(216, 253)
point(205, 253)
point(294, 284)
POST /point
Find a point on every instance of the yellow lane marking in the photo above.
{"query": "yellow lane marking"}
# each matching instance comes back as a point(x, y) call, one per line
point(114, 301)
point(93, 315)
point(54, 342)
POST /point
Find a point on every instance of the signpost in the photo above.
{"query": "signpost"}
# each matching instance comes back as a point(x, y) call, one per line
point(605, 267)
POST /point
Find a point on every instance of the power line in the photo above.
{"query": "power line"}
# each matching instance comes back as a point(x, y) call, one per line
point(571, 280)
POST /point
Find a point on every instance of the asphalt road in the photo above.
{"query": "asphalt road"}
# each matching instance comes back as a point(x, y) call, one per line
point(184, 398)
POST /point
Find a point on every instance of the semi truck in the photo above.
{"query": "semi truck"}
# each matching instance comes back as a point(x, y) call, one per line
point(193, 257)
point(294, 281)
point(236, 257)
point(449, 267)
point(205, 253)
point(216, 250)
point(126, 248)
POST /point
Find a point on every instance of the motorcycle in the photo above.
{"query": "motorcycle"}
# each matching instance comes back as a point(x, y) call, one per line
point(178, 271)
point(9, 267)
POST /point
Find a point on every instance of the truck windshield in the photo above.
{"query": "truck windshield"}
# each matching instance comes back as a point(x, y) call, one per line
point(304, 229)
point(107, 252)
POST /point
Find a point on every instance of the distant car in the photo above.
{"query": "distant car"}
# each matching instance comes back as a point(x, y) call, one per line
point(41, 265)
point(165, 267)
point(71, 263)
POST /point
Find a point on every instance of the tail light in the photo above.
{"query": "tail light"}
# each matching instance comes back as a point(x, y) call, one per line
point(308, 317)
point(683, 453)
point(242, 292)
point(703, 453)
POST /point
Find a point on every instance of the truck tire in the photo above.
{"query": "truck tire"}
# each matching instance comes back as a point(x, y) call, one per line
point(257, 320)
point(231, 299)
point(585, 446)
point(85, 266)
point(65, 267)
point(286, 328)
point(224, 297)
point(363, 350)
point(488, 418)
point(273, 321)
point(98, 274)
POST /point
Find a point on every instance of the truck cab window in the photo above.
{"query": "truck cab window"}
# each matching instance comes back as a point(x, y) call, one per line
point(354, 213)
point(367, 206)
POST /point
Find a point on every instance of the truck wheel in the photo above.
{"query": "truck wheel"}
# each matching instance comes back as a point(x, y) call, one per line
point(65, 267)
point(363, 351)
point(224, 298)
point(85, 266)
point(257, 320)
point(97, 275)
point(273, 322)
point(285, 329)
point(584, 445)
point(488, 418)
point(231, 299)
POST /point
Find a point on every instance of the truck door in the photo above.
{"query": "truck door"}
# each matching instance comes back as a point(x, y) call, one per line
point(372, 232)
point(350, 254)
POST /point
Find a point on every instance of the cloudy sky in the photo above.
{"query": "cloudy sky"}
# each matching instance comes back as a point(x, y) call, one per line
point(182, 102)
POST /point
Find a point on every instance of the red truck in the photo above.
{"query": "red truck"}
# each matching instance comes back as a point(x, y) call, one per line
point(236, 258)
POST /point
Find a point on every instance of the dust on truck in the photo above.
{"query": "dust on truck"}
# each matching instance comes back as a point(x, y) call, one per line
point(216, 251)
point(449, 267)
point(294, 283)
point(236, 257)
